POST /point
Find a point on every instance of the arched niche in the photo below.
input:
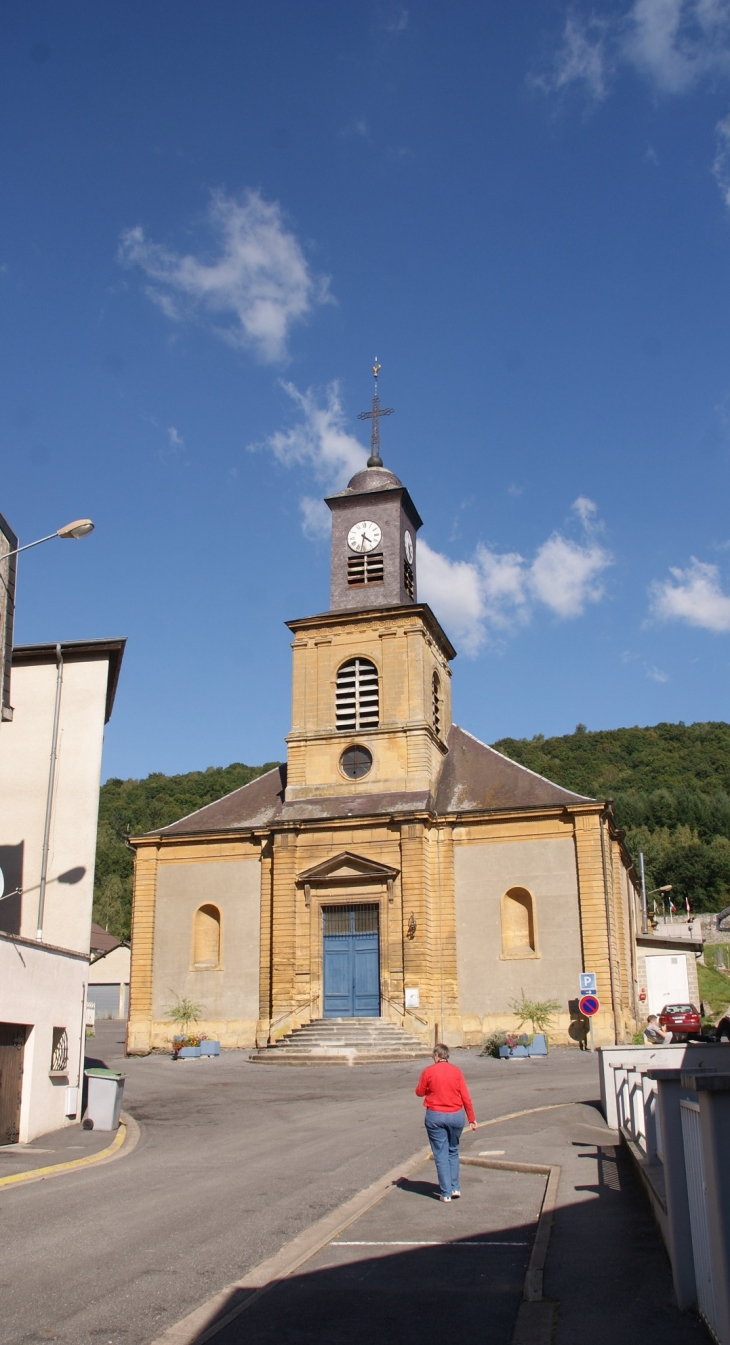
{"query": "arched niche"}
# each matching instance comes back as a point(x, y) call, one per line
point(518, 923)
point(206, 937)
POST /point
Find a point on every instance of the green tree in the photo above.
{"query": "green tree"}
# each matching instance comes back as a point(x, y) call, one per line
point(671, 790)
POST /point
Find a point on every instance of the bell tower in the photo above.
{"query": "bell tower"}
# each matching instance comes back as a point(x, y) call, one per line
point(371, 694)
point(374, 526)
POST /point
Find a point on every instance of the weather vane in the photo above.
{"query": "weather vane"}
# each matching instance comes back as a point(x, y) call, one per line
point(374, 415)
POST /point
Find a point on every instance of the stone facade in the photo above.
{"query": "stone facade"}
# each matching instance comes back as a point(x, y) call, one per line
point(489, 880)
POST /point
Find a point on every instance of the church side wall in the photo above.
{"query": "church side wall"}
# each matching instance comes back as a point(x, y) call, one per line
point(229, 993)
point(488, 980)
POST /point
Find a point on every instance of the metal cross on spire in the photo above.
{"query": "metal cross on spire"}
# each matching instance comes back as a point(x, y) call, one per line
point(374, 415)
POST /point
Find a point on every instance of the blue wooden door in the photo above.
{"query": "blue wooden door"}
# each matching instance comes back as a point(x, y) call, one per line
point(351, 962)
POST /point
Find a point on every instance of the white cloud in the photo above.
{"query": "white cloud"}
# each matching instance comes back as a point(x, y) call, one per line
point(693, 595)
point(316, 518)
point(677, 43)
point(398, 23)
point(175, 439)
point(319, 440)
point(672, 44)
point(656, 675)
point(582, 58)
point(257, 283)
point(453, 587)
point(496, 592)
point(721, 161)
point(564, 575)
point(355, 128)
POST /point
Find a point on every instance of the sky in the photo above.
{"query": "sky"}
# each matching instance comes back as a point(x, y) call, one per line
point(215, 218)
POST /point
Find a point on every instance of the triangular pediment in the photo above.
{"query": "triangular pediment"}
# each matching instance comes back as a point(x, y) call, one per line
point(344, 867)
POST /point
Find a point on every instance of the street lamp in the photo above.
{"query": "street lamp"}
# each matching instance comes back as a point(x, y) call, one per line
point(81, 527)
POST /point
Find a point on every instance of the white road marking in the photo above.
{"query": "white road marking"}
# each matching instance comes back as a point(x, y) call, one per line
point(438, 1243)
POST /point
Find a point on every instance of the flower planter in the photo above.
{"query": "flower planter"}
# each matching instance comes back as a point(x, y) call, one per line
point(210, 1048)
point(188, 1052)
point(519, 1049)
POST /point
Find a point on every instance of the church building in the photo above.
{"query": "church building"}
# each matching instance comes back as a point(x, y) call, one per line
point(395, 867)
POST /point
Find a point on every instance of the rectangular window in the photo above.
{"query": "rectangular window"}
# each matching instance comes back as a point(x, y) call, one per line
point(367, 569)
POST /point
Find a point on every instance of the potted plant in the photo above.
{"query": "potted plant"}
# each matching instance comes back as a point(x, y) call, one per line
point(184, 1011)
point(538, 1012)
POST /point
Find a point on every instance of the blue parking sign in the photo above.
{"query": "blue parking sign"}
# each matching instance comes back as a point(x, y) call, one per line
point(588, 983)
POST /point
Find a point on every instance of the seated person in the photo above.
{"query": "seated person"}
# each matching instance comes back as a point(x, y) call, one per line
point(653, 1035)
point(723, 1029)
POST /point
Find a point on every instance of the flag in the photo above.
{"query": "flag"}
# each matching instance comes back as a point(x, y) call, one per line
point(686, 902)
point(672, 906)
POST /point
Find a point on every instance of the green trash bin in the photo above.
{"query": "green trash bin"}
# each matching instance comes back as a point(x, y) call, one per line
point(104, 1100)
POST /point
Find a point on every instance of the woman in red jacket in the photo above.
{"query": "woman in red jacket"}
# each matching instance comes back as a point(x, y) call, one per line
point(448, 1106)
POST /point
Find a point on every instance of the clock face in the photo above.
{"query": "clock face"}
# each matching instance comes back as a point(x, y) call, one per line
point(408, 546)
point(363, 536)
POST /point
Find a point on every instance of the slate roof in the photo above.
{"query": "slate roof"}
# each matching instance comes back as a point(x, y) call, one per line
point(102, 941)
point(475, 778)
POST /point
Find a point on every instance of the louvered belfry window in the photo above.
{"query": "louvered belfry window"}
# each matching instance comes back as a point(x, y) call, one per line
point(357, 698)
point(367, 569)
point(436, 692)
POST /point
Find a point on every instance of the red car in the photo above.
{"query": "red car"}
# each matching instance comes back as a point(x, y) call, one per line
point(682, 1020)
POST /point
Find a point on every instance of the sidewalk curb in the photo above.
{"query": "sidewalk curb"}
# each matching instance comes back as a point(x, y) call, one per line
point(191, 1330)
point(125, 1140)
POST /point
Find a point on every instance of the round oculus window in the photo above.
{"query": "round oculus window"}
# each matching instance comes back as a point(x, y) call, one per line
point(356, 762)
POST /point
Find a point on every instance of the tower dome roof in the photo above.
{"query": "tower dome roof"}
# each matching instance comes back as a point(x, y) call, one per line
point(373, 478)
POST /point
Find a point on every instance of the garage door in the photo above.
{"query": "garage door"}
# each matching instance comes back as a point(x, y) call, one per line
point(666, 981)
point(106, 999)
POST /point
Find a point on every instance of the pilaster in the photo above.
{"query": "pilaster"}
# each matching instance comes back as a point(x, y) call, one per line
point(143, 944)
point(594, 929)
point(283, 930)
point(265, 943)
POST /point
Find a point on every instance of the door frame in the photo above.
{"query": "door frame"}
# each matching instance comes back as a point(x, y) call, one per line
point(349, 879)
point(368, 901)
point(362, 896)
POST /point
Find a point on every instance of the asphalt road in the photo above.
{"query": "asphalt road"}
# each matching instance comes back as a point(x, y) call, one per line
point(234, 1160)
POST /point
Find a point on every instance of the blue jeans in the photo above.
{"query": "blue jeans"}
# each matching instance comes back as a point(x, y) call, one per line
point(444, 1131)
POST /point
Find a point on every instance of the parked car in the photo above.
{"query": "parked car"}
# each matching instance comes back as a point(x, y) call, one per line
point(682, 1020)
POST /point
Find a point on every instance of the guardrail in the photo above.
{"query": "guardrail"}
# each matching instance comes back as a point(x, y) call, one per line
point(671, 1105)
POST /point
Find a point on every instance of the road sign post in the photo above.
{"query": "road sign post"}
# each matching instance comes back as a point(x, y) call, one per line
point(589, 1005)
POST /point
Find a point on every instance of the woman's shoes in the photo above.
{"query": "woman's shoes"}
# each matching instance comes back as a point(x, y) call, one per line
point(455, 1195)
point(445, 1199)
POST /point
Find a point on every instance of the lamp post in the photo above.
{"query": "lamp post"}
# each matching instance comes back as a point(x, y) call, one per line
point(645, 894)
point(81, 527)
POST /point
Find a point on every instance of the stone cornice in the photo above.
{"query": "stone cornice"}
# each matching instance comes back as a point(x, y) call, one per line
point(376, 617)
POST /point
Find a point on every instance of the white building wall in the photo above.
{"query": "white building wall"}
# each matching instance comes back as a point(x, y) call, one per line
point(43, 985)
point(25, 750)
point(114, 966)
point(43, 988)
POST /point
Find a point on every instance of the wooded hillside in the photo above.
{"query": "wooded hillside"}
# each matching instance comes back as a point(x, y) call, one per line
point(670, 783)
point(671, 787)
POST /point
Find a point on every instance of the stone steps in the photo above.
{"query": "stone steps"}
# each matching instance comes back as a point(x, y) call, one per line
point(343, 1041)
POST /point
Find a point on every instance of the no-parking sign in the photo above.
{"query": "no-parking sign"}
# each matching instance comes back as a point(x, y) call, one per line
point(588, 1005)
